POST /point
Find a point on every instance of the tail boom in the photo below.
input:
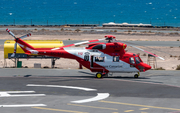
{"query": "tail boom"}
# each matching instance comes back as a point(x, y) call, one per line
point(28, 49)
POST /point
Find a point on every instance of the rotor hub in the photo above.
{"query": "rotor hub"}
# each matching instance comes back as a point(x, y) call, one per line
point(110, 38)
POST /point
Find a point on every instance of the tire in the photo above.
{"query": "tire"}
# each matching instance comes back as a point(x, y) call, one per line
point(99, 75)
point(136, 76)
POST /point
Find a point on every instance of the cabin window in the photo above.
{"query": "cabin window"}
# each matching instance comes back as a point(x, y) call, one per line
point(99, 59)
point(131, 60)
point(94, 50)
point(115, 58)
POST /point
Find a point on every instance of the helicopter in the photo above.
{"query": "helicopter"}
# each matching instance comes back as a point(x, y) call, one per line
point(100, 57)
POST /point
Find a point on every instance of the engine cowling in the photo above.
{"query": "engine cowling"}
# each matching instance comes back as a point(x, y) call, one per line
point(115, 46)
point(100, 46)
point(109, 47)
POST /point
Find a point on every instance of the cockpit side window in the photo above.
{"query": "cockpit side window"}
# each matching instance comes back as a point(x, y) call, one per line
point(131, 60)
point(140, 59)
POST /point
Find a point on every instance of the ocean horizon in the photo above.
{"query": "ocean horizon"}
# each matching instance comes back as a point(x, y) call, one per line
point(61, 12)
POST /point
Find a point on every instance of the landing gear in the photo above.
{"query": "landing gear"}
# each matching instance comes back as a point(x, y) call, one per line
point(100, 75)
point(137, 75)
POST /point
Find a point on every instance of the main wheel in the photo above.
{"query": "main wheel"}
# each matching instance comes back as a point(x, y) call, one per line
point(99, 75)
point(136, 76)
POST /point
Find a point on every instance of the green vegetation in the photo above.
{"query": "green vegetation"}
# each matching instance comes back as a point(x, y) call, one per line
point(178, 67)
point(160, 68)
point(77, 30)
point(62, 29)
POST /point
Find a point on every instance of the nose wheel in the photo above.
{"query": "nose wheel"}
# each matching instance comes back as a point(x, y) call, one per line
point(100, 75)
point(137, 75)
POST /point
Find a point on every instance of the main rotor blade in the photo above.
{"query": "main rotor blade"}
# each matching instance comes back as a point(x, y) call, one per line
point(86, 42)
point(132, 45)
point(10, 33)
point(79, 43)
point(148, 52)
point(129, 43)
point(25, 36)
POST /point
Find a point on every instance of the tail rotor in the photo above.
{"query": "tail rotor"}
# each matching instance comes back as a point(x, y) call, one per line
point(16, 39)
point(12, 34)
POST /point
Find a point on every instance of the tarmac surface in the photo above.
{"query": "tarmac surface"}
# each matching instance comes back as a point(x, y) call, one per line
point(77, 91)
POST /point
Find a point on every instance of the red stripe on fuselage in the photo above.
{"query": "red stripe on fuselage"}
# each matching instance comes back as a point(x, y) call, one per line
point(64, 54)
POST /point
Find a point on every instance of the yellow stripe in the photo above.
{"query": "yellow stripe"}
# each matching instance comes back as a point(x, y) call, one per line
point(93, 107)
point(143, 108)
point(59, 110)
point(139, 105)
point(128, 110)
point(124, 45)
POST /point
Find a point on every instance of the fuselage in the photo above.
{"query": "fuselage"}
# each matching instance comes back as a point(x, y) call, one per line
point(98, 61)
point(98, 57)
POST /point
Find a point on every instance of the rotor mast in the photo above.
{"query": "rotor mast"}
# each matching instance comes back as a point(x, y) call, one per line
point(110, 38)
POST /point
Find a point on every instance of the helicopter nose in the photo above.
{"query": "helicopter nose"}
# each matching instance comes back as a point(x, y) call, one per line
point(147, 67)
point(144, 67)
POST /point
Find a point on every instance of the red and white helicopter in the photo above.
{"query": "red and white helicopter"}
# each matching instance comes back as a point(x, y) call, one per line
point(103, 58)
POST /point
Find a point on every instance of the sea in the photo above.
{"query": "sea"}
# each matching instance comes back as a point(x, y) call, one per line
point(61, 12)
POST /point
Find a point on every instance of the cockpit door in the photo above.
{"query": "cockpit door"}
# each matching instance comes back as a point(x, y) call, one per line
point(132, 62)
point(92, 61)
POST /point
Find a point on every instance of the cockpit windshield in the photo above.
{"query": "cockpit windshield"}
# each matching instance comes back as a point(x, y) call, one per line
point(137, 60)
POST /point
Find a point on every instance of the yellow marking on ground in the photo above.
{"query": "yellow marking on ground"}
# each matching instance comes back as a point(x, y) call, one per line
point(143, 108)
point(92, 107)
point(143, 112)
point(115, 112)
point(129, 104)
point(51, 109)
point(128, 110)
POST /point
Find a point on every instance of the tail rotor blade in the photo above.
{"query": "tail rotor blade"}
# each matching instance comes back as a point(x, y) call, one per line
point(15, 48)
point(16, 39)
point(10, 33)
point(25, 36)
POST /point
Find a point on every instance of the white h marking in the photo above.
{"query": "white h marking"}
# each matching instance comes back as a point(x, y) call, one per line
point(6, 94)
